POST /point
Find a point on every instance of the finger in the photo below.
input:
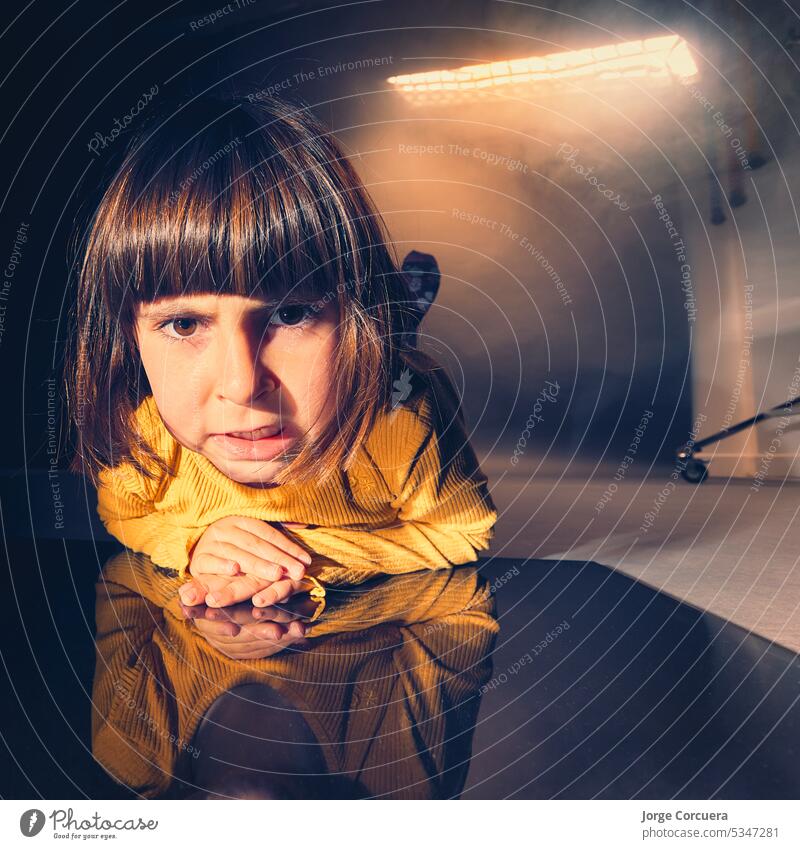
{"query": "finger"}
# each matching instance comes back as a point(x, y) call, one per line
point(264, 631)
point(236, 590)
point(217, 614)
point(192, 593)
point(294, 525)
point(192, 611)
point(212, 583)
point(247, 552)
point(296, 629)
point(263, 569)
point(272, 534)
point(238, 603)
point(269, 552)
point(274, 594)
point(241, 614)
point(274, 614)
point(217, 629)
point(207, 563)
point(256, 557)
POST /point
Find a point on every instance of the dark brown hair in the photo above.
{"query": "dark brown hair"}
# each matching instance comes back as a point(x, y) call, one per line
point(229, 196)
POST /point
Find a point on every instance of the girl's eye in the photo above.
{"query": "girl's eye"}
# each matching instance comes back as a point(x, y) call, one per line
point(183, 328)
point(292, 315)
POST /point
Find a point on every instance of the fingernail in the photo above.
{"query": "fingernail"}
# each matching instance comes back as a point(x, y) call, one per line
point(189, 596)
point(306, 558)
point(211, 599)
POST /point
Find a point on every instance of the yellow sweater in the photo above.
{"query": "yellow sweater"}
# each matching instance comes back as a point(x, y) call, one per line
point(389, 682)
point(399, 509)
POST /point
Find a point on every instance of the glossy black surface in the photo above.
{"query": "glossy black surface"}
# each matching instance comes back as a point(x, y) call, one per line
point(640, 697)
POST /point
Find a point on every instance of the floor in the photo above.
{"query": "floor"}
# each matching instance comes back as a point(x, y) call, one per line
point(721, 545)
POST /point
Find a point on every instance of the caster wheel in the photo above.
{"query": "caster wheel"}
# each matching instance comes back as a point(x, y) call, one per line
point(695, 471)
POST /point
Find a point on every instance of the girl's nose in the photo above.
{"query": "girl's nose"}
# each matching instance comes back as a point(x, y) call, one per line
point(243, 378)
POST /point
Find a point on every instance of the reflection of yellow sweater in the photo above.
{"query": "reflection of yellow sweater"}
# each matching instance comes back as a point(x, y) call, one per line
point(389, 682)
point(414, 499)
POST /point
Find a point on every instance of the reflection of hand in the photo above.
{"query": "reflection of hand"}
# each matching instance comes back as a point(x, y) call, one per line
point(244, 633)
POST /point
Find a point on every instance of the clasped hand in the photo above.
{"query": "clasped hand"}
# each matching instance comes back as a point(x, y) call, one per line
point(243, 559)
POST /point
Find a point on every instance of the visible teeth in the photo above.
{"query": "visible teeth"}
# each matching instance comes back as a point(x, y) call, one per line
point(261, 433)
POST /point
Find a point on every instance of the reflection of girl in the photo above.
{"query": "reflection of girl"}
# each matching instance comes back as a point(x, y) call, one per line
point(388, 684)
point(241, 386)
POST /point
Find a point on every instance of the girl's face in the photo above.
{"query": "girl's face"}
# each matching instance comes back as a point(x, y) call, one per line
point(224, 366)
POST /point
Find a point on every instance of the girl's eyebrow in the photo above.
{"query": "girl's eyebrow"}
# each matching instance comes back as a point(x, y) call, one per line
point(186, 310)
point(171, 311)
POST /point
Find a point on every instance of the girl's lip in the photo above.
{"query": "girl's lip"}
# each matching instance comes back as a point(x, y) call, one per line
point(254, 449)
point(248, 434)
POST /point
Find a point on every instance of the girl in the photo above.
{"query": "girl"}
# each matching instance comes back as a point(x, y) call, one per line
point(239, 381)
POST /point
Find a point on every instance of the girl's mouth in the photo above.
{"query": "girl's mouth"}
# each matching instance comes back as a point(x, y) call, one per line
point(262, 444)
point(259, 433)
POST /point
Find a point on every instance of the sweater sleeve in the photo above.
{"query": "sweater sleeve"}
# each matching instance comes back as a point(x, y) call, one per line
point(127, 508)
point(444, 512)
